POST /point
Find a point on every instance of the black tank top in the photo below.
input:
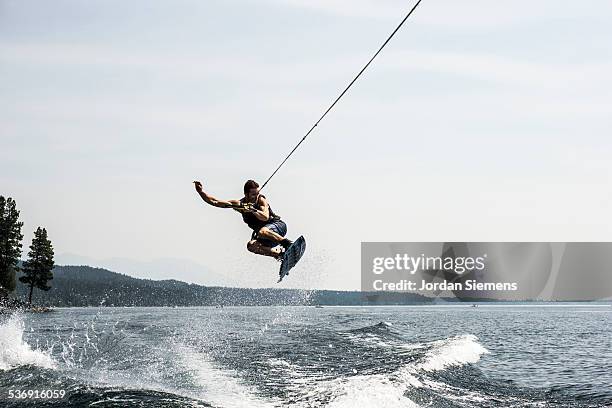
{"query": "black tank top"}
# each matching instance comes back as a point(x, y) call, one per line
point(255, 223)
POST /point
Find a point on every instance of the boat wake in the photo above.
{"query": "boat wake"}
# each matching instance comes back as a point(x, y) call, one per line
point(390, 390)
point(138, 361)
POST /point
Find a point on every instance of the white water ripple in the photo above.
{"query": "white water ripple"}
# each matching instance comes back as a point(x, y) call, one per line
point(15, 352)
point(455, 351)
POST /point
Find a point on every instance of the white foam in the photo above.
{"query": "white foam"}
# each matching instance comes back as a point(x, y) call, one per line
point(219, 386)
point(15, 352)
point(388, 390)
point(369, 391)
point(375, 390)
point(455, 351)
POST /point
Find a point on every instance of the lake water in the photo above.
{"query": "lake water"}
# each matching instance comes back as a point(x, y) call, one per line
point(429, 356)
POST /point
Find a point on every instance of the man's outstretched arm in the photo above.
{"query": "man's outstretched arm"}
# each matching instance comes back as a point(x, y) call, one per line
point(212, 200)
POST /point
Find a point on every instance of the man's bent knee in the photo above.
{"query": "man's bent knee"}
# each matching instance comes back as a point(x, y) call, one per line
point(251, 245)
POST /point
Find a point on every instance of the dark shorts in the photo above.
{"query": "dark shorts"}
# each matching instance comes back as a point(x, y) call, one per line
point(277, 226)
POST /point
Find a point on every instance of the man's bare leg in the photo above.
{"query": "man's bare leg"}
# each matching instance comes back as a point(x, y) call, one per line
point(259, 249)
point(269, 234)
point(273, 236)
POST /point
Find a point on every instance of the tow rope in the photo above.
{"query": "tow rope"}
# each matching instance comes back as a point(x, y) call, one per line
point(342, 94)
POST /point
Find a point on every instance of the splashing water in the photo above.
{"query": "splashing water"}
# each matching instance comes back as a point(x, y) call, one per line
point(15, 352)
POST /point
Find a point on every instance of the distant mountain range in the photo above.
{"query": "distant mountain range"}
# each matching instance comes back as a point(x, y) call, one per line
point(88, 286)
point(160, 268)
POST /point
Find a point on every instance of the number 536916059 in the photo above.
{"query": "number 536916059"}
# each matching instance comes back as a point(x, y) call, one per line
point(36, 394)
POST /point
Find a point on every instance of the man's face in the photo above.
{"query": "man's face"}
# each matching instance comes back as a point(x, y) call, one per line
point(252, 195)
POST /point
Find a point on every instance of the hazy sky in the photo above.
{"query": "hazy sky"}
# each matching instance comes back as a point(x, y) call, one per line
point(481, 121)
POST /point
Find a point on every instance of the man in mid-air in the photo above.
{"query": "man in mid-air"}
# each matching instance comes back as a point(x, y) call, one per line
point(269, 230)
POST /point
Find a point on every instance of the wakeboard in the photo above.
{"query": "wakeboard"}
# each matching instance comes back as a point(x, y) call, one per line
point(291, 257)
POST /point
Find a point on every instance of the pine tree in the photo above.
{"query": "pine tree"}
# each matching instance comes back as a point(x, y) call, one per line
point(10, 244)
point(38, 268)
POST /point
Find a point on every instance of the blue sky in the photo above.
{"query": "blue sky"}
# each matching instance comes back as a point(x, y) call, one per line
point(484, 121)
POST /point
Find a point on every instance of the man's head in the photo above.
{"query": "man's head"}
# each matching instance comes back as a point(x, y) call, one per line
point(251, 190)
